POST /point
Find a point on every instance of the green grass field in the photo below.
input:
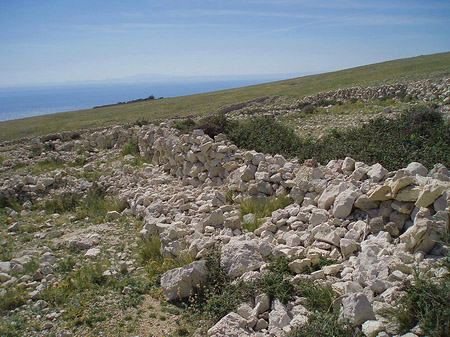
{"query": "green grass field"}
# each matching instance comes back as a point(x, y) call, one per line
point(404, 70)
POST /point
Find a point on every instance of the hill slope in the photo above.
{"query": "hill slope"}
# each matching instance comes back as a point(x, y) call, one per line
point(403, 70)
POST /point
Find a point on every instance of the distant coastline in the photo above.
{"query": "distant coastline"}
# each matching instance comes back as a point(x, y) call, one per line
point(30, 101)
point(149, 98)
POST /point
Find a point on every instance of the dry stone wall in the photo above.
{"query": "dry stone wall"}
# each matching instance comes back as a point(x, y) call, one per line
point(379, 226)
point(423, 90)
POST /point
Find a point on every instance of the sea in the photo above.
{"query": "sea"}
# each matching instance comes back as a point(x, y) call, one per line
point(29, 101)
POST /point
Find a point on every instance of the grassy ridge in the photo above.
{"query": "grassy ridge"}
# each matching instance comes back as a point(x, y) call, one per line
point(436, 65)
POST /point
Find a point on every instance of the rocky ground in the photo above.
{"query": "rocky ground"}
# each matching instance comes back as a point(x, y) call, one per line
point(104, 232)
point(351, 107)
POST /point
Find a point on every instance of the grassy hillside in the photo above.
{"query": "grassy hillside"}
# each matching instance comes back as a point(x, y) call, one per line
point(436, 65)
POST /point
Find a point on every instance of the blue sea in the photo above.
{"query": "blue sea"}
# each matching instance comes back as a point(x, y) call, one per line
point(28, 101)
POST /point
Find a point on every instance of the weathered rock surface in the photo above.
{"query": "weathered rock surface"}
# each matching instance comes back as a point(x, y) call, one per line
point(238, 257)
point(231, 325)
point(183, 282)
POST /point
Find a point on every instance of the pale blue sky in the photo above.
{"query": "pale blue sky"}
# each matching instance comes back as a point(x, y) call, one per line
point(59, 40)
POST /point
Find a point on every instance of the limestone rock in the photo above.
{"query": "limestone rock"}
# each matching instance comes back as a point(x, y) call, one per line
point(238, 257)
point(348, 164)
point(380, 193)
point(299, 266)
point(318, 216)
point(232, 325)
point(356, 308)
point(244, 310)
point(416, 168)
point(409, 193)
point(431, 192)
point(348, 246)
point(426, 231)
point(376, 172)
point(371, 328)
point(279, 316)
point(181, 282)
point(327, 234)
point(402, 182)
point(344, 203)
point(92, 253)
point(262, 301)
point(328, 196)
point(214, 219)
point(5, 266)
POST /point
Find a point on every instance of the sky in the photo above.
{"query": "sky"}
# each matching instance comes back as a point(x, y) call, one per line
point(52, 41)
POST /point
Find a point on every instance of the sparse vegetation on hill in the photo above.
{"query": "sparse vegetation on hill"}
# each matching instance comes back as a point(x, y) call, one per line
point(404, 70)
point(418, 134)
point(138, 230)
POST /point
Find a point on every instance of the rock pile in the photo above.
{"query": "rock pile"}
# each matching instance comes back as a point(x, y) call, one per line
point(379, 226)
point(422, 90)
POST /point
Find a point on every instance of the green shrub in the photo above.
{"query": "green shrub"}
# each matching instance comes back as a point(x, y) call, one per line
point(149, 249)
point(264, 134)
point(309, 109)
point(277, 285)
point(320, 297)
point(149, 253)
point(66, 265)
point(94, 205)
point(13, 298)
point(141, 121)
point(213, 125)
point(261, 208)
point(65, 202)
point(15, 324)
point(10, 203)
point(419, 134)
point(426, 303)
point(49, 146)
point(185, 125)
point(220, 295)
point(326, 325)
point(130, 147)
point(87, 278)
point(78, 162)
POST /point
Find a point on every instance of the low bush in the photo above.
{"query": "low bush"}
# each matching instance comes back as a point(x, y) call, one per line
point(13, 298)
point(65, 202)
point(261, 208)
point(141, 122)
point(309, 109)
point(131, 147)
point(426, 303)
point(264, 134)
point(418, 134)
point(185, 125)
point(213, 125)
point(220, 295)
point(94, 205)
point(149, 253)
point(10, 203)
point(320, 297)
point(326, 325)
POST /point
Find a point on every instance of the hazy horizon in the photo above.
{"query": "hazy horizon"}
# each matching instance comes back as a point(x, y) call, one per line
point(97, 40)
point(160, 78)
